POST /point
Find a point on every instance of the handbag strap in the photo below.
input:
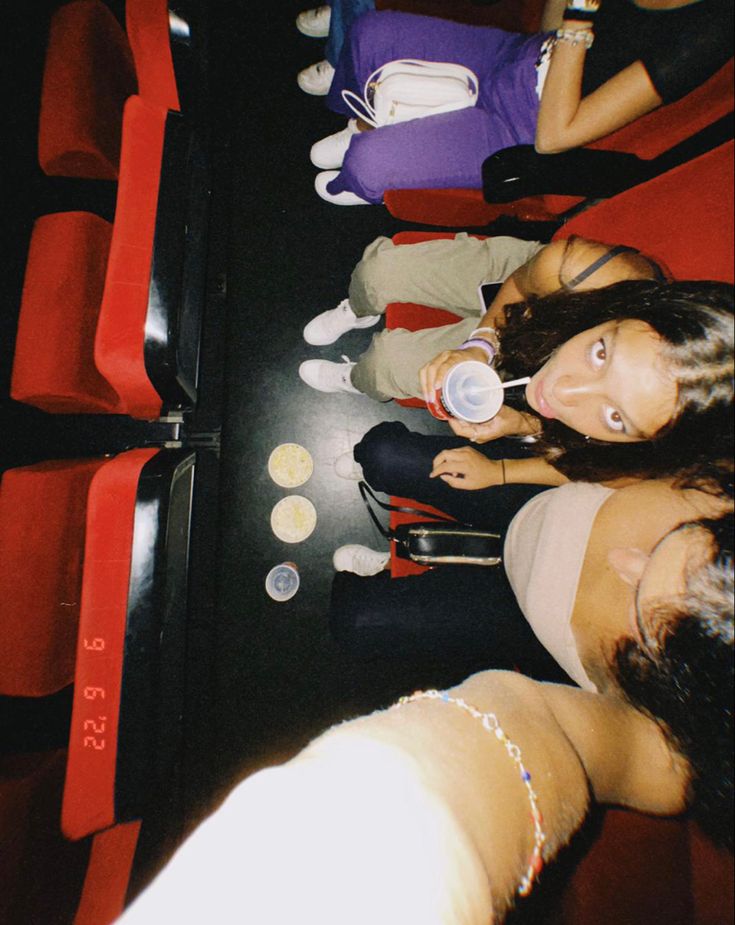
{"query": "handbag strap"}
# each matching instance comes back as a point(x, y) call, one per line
point(368, 495)
point(361, 108)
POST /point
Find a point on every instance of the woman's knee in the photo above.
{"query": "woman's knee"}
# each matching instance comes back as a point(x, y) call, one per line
point(367, 165)
point(367, 279)
point(377, 450)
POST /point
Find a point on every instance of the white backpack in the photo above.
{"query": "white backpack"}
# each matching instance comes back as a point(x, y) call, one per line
point(408, 89)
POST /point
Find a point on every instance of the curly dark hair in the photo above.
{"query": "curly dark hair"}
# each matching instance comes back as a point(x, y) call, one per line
point(695, 322)
point(684, 681)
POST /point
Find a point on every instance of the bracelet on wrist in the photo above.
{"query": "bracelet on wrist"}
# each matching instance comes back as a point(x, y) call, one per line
point(533, 422)
point(481, 344)
point(575, 37)
point(491, 725)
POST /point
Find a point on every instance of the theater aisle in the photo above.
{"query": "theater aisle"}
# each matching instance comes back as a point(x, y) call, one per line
point(263, 676)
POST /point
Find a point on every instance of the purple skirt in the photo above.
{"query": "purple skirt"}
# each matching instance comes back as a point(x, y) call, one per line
point(446, 150)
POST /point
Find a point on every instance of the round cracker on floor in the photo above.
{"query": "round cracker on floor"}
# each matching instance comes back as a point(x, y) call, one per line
point(293, 519)
point(290, 465)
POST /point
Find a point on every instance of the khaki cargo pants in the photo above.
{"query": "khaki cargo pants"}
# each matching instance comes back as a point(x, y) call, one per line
point(441, 274)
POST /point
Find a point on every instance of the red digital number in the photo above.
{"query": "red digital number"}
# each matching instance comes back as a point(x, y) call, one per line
point(90, 723)
point(91, 742)
point(96, 645)
point(92, 693)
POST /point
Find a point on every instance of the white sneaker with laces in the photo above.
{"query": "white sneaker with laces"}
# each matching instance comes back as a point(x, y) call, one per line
point(344, 198)
point(346, 467)
point(361, 560)
point(315, 22)
point(316, 79)
point(329, 326)
point(326, 376)
point(329, 153)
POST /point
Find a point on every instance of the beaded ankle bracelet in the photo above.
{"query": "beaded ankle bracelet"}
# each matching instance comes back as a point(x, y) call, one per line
point(490, 724)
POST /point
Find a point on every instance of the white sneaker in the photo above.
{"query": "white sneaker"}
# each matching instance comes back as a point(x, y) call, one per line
point(332, 324)
point(344, 198)
point(315, 23)
point(330, 151)
point(361, 560)
point(326, 376)
point(346, 467)
point(316, 79)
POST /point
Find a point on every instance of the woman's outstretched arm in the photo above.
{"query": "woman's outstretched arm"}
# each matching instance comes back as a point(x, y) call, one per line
point(568, 120)
point(416, 815)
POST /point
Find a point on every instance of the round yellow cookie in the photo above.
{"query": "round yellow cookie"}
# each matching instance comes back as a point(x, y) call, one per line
point(293, 519)
point(290, 465)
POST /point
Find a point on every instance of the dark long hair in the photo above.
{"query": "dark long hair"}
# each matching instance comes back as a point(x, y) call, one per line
point(684, 681)
point(695, 323)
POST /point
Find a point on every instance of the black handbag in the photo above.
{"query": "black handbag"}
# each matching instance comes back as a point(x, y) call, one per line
point(444, 542)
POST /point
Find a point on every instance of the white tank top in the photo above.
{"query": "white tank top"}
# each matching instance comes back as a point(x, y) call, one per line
point(544, 553)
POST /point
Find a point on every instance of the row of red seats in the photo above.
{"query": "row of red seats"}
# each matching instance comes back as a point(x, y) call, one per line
point(96, 332)
point(93, 565)
point(94, 553)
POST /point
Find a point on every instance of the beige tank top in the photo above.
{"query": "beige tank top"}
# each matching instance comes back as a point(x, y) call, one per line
point(544, 553)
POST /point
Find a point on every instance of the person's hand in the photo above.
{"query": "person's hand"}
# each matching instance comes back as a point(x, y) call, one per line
point(467, 469)
point(432, 374)
point(507, 423)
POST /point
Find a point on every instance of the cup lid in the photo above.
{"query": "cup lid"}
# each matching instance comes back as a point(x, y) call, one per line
point(282, 582)
point(472, 391)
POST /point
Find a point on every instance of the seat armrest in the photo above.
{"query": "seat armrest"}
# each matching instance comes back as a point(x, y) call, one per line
point(518, 172)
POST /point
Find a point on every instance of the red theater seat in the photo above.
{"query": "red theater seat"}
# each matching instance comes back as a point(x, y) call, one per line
point(684, 217)
point(108, 537)
point(82, 330)
point(108, 875)
point(134, 585)
point(54, 367)
point(133, 602)
point(148, 33)
point(40, 870)
point(647, 137)
point(42, 530)
point(88, 75)
point(645, 870)
point(89, 792)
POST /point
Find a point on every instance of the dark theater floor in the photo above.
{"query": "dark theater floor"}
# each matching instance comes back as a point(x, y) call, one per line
point(260, 678)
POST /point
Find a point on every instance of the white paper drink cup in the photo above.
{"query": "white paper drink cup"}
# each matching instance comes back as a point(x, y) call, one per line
point(472, 391)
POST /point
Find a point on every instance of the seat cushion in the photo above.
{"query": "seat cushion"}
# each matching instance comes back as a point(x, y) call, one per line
point(88, 75)
point(42, 530)
point(54, 366)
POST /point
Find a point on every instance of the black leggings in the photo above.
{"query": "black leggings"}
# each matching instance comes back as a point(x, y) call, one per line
point(398, 462)
point(453, 612)
point(457, 611)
